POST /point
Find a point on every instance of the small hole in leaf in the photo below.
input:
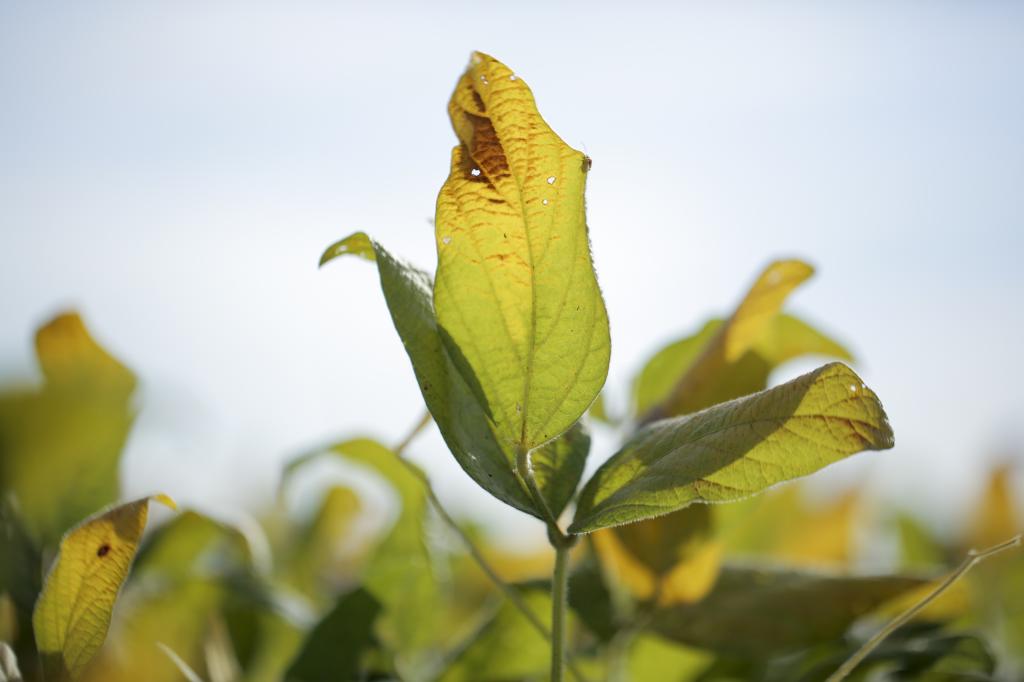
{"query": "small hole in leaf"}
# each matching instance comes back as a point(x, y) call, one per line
point(104, 550)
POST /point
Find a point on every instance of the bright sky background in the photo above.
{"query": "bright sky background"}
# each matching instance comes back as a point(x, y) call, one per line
point(175, 170)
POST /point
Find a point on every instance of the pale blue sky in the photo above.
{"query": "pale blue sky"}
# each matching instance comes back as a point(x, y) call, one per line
point(174, 170)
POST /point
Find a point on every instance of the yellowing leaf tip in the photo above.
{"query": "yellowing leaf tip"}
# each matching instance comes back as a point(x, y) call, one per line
point(358, 244)
point(165, 500)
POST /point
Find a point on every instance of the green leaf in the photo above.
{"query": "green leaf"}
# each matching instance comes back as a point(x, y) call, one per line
point(762, 612)
point(60, 444)
point(335, 647)
point(733, 450)
point(73, 612)
point(457, 410)
point(507, 647)
point(400, 574)
point(653, 659)
point(516, 296)
point(558, 466)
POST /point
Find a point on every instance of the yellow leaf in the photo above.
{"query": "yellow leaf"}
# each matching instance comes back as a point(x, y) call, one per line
point(73, 612)
point(60, 444)
point(995, 518)
point(671, 560)
point(515, 293)
point(747, 325)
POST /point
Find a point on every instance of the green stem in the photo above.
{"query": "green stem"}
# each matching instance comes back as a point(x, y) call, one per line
point(507, 590)
point(973, 558)
point(559, 602)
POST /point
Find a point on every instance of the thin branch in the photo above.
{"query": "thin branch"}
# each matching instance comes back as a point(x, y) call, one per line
point(973, 558)
point(415, 431)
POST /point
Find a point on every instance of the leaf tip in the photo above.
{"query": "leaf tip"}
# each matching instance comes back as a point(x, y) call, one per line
point(357, 243)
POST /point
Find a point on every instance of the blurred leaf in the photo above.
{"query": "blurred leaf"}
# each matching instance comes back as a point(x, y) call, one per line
point(313, 559)
point(507, 647)
point(920, 653)
point(73, 612)
point(60, 445)
point(702, 367)
point(175, 615)
point(400, 573)
point(8, 664)
point(653, 659)
point(785, 338)
point(191, 545)
point(516, 296)
point(334, 648)
point(784, 526)
point(760, 612)
point(919, 548)
point(457, 410)
point(995, 517)
point(734, 450)
point(671, 560)
point(591, 600)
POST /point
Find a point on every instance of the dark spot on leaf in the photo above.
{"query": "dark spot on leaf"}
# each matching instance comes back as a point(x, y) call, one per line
point(103, 550)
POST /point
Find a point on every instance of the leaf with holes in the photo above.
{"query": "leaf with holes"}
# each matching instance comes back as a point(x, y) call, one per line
point(517, 300)
point(736, 449)
point(73, 612)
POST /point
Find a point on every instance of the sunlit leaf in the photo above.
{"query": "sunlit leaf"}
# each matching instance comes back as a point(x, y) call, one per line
point(335, 647)
point(670, 561)
point(995, 518)
point(60, 445)
point(457, 410)
point(757, 612)
point(736, 449)
point(784, 526)
point(726, 360)
point(653, 659)
point(785, 338)
point(515, 292)
point(73, 612)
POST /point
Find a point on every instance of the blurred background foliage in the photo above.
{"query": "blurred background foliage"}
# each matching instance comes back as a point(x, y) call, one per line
point(782, 586)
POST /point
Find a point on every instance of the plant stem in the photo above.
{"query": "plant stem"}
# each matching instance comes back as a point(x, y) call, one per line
point(973, 558)
point(415, 431)
point(507, 590)
point(559, 602)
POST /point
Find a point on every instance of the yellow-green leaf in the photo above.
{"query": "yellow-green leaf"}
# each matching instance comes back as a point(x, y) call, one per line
point(60, 445)
point(73, 612)
point(516, 296)
point(759, 612)
point(703, 369)
point(671, 559)
point(456, 409)
point(785, 338)
point(400, 573)
point(736, 449)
